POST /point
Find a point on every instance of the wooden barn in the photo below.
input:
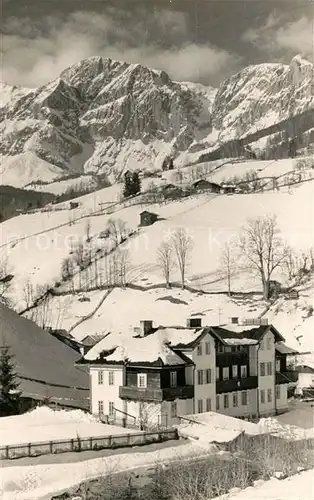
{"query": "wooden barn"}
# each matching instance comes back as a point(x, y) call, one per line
point(204, 185)
point(147, 218)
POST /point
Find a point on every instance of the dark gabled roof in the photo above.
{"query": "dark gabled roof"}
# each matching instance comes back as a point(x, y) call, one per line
point(150, 213)
point(284, 349)
point(44, 364)
point(304, 369)
point(255, 333)
point(205, 181)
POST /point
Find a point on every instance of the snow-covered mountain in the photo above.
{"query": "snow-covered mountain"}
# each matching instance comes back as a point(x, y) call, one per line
point(103, 116)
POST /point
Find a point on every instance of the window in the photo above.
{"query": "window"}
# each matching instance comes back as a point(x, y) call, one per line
point(277, 365)
point(226, 400)
point(225, 373)
point(269, 368)
point(268, 343)
point(235, 399)
point(100, 407)
point(244, 398)
point(208, 376)
point(269, 395)
point(200, 406)
point(234, 371)
point(208, 404)
point(199, 350)
point(142, 380)
point(173, 379)
point(243, 371)
point(217, 373)
point(200, 377)
point(100, 377)
point(262, 370)
point(262, 345)
point(262, 396)
point(111, 378)
point(220, 348)
point(173, 409)
point(277, 391)
point(217, 402)
point(207, 348)
point(111, 408)
point(228, 348)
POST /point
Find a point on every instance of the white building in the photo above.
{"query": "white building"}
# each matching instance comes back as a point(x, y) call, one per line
point(156, 374)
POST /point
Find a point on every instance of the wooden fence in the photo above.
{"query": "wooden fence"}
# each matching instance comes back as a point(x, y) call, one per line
point(86, 444)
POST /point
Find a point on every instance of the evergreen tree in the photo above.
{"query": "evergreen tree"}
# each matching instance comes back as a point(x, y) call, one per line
point(292, 148)
point(171, 164)
point(164, 165)
point(136, 183)
point(127, 190)
point(132, 184)
point(9, 394)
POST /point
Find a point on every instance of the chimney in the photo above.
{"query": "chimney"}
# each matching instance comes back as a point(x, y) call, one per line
point(146, 326)
point(234, 320)
point(194, 322)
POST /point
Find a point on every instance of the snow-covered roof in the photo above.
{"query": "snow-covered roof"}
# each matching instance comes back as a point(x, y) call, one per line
point(152, 348)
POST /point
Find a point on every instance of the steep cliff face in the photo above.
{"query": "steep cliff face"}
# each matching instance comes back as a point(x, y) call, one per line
point(104, 116)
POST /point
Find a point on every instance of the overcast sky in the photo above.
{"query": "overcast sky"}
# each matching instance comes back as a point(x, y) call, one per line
point(197, 40)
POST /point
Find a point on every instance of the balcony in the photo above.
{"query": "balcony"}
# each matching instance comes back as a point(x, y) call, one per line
point(286, 377)
point(236, 384)
point(157, 395)
point(232, 358)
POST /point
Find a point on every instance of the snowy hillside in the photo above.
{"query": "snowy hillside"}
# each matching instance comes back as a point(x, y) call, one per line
point(210, 219)
point(103, 116)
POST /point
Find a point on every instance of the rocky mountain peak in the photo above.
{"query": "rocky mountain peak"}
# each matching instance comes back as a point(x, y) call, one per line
point(103, 116)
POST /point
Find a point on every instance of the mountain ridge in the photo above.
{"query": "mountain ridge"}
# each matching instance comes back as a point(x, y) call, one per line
point(104, 116)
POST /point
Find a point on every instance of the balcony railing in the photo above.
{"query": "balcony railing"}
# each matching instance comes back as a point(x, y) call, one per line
point(231, 358)
point(236, 384)
point(157, 395)
point(286, 377)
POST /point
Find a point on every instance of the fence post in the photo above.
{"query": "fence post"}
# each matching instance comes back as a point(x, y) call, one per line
point(91, 443)
point(109, 441)
point(29, 446)
point(51, 446)
point(72, 444)
point(7, 452)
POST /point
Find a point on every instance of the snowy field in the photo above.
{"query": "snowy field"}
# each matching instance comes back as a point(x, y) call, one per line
point(217, 428)
point(40, 481)
point(298, 487)
point(45, 424)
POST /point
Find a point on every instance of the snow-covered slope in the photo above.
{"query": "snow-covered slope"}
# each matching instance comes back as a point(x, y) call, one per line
point(104, 116)
point(30, 241)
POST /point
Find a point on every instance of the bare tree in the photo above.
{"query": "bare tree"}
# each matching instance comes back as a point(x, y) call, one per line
point(165, 260)
point(28, 293)
point(79, 255)
point(123, 266)
point(5, 281)
point(67, 268)
point(87, 231)
point(44, 312)
point(182, 244)
point(291, 263)
point(116, 229)
point(263, 249)
point(228, 263)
